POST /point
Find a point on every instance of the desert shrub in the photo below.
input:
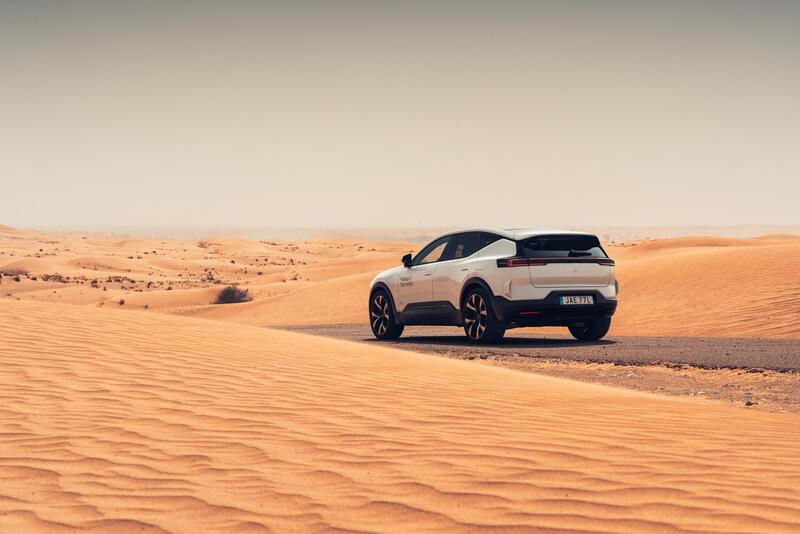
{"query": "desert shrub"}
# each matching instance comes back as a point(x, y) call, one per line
point(204, 243)
point(15, 272)
point(232, 295)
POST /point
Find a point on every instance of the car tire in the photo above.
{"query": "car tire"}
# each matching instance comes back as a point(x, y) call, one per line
point(590, 330)
point(481, 325)
point(381, 316)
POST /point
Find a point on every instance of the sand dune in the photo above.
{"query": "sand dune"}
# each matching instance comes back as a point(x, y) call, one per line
point(132, 421)
point(690, 286)
point(182, 277)
point(710, 287)
point(7, 229)
point(338, 300)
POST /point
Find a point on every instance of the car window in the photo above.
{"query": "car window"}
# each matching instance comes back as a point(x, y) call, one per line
point(562, 246)
point(462, 246)
point(486, 240)
point(433, 252)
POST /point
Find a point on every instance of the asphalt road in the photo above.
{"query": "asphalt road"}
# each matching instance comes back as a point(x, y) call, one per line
point(712, 353)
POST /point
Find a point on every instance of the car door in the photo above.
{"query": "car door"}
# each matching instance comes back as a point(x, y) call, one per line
point(454, 268)
point(415, 285)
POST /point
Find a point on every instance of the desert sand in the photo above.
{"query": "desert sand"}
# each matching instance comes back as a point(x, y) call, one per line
point(135, 422)
point(714, 287)
point(695, 286)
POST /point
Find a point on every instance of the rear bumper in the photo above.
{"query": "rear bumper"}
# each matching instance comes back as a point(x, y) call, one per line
point(548, 311)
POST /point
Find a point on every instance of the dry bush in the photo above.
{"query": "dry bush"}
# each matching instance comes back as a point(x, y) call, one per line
point(14, 272)
point(233, 295)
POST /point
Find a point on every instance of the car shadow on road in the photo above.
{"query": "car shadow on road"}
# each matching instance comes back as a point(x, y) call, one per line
point(507, 343)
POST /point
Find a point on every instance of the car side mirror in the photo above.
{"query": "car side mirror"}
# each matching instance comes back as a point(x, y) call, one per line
point(407, 260)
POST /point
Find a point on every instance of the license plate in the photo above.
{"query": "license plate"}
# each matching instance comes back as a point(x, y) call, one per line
point(576, 299)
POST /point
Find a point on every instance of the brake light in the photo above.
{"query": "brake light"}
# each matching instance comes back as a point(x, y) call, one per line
point(514, 262)
point(528, 262)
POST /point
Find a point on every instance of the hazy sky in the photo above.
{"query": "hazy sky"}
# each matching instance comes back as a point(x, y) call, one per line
point(395, 114)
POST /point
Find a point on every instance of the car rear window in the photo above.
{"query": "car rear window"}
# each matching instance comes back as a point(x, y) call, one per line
point(487, 239)
point(561, 246)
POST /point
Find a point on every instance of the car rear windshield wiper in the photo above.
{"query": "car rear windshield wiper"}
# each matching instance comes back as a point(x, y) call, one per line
point(576, 253)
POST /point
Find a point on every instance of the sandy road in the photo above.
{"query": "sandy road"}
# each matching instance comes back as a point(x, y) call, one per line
point(705, 353)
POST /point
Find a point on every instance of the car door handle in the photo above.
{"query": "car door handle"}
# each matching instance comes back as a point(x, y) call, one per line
point(428, 274)
point(465, 269)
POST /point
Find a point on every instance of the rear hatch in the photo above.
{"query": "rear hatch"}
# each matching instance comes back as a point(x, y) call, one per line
point(566, 261)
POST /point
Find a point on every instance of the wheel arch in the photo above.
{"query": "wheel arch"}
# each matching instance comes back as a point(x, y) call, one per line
point(472, 283)
point(382, 286)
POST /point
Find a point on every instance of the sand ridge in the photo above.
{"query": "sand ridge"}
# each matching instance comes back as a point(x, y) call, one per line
point(130, 421)
point(714, 287)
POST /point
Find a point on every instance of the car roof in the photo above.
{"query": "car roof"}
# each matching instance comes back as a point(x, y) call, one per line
point(517, 233)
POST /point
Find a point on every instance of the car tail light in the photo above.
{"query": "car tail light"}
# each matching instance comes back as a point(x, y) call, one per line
point(514, 262)
point(526, 262)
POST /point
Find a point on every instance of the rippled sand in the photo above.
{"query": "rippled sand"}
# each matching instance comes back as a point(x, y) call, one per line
point(127, 421)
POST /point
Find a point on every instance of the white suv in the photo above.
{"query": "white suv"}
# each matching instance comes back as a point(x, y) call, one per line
point(490, 280)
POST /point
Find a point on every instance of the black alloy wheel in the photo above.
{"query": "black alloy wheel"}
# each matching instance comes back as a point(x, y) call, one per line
point(381, 317)
point(480, 323)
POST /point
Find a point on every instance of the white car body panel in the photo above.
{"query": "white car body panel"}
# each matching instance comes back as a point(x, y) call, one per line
point(449, 278)
point(500, 280)
point(414, 285)
point(572, 275)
